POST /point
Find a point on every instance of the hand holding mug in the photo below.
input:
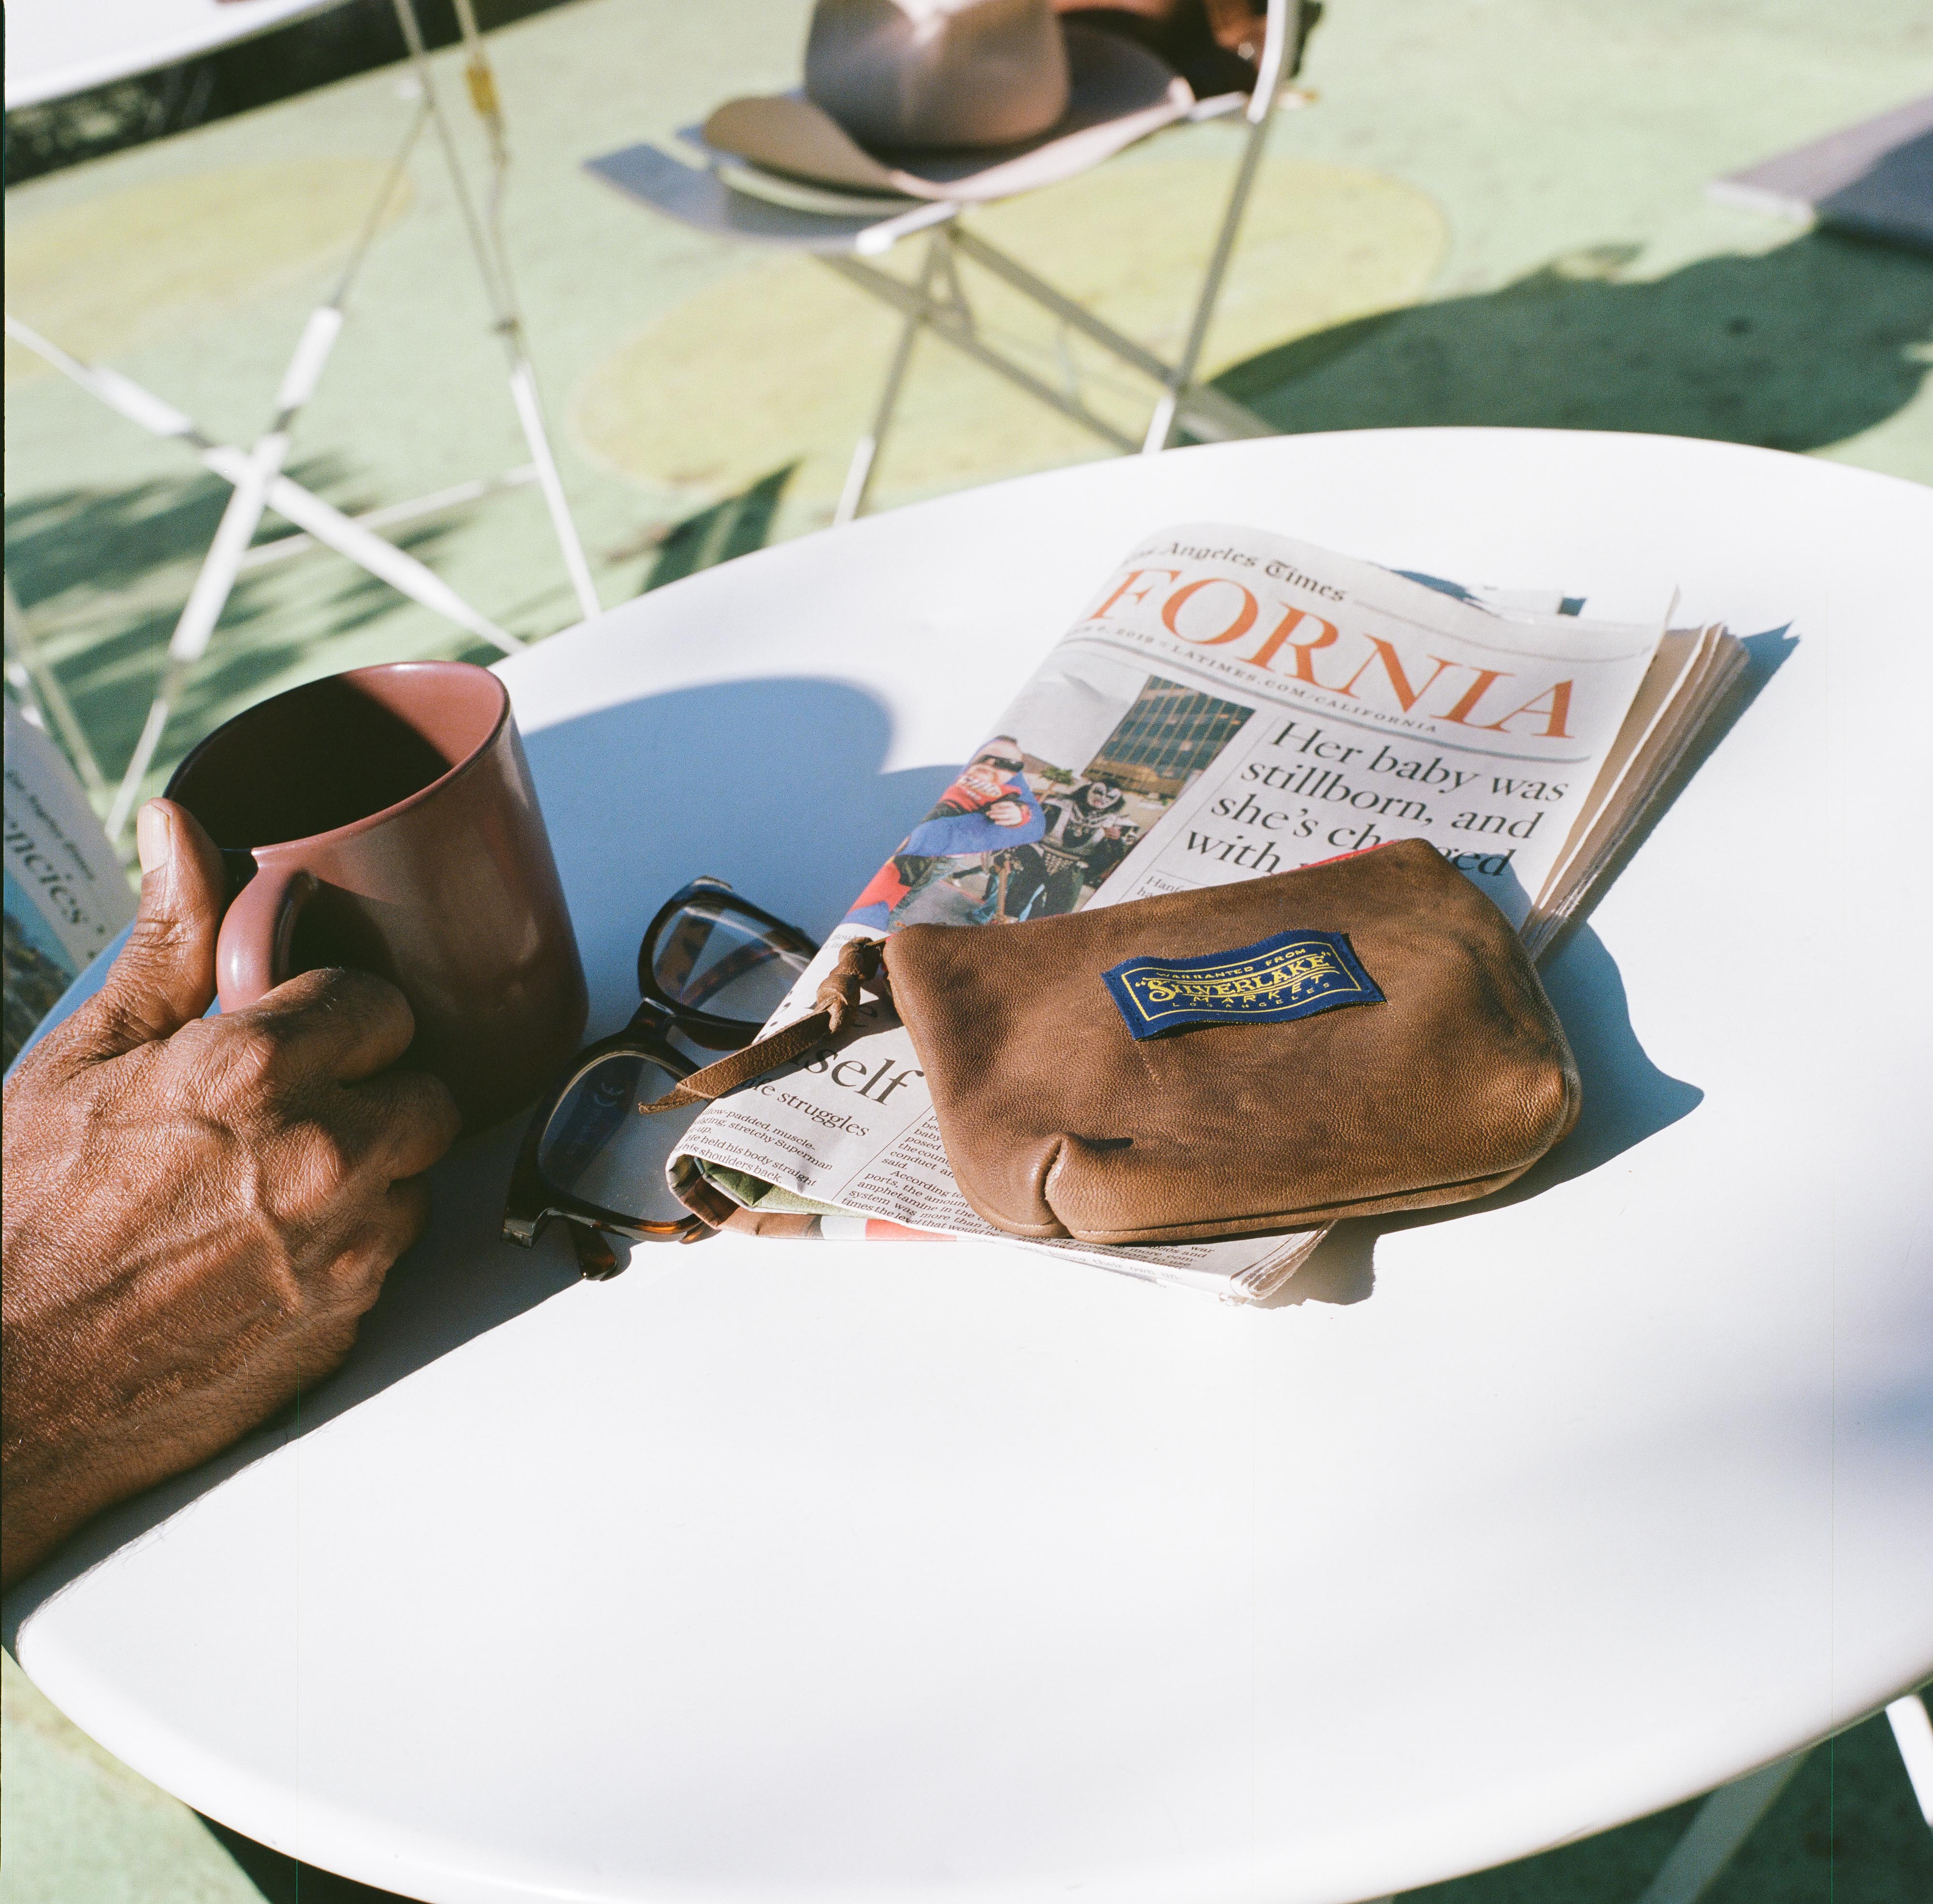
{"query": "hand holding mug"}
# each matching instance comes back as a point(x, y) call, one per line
point(198, 1210)
point(384, 819)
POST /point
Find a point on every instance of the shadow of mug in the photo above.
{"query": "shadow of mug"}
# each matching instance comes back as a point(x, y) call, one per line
point(638, 804)
point(801, 821)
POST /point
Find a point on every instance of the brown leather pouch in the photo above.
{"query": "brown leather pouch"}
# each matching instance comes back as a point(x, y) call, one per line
point(1355, 1038)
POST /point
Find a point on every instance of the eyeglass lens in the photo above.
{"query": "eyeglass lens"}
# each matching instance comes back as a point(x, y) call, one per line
point(596, 1146)
point(712, 956)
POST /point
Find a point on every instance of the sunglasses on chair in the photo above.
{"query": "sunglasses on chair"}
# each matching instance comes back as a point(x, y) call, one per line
point(712, 968)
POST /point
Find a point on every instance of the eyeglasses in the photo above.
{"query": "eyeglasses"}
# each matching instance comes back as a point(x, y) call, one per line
point(712, 968)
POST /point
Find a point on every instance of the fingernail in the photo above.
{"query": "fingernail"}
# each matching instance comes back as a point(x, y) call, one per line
point(154, 836)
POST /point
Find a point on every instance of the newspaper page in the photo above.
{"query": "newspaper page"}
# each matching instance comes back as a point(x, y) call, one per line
point(1234, 704)
point(66, 895)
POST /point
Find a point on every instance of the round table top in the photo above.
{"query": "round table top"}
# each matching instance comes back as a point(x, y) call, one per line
point(774, 1570)
point(56, 48)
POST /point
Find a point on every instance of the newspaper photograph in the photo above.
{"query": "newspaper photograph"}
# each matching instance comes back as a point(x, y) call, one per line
point(1234, 704)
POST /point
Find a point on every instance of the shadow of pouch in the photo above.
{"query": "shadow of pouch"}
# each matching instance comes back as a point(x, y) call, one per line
point(1360, 1037)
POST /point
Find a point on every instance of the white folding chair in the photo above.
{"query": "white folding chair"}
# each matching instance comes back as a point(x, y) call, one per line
point(259, 485)
point(726, 197)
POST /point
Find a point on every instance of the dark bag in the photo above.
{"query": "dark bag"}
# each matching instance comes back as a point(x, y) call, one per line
point(1214, 45)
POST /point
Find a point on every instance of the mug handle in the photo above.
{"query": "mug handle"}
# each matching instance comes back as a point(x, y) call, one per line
point(252, 956)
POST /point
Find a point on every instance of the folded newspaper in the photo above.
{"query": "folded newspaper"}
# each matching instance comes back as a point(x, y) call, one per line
point(66, 895)
point(1234, 704)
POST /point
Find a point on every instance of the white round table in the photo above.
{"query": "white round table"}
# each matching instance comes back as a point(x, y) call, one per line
point(774, 1571)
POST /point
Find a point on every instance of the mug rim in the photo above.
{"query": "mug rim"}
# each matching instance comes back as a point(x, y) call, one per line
point(351, 827)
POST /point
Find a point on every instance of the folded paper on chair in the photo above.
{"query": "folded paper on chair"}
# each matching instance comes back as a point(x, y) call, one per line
point(1233, 704)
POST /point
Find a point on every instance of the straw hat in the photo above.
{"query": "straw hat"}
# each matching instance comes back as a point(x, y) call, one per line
point(952, 99)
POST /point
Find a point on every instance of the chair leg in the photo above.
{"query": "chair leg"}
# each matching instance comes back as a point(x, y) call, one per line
point(209, 595)
point(254, 481)
point(1217, 417)
point(536, 436)
point(1203, 409)
point(1912, 1732)
point(953, 325)
point(39, 687)
point(1724, 1821)
point(486, 237)
point(1161, 426)
point(223, 563)
point(866, 451)
point(348, 535)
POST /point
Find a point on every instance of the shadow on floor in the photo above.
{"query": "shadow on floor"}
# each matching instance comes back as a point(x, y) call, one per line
point(1847, 1830)
point(1801, 346)
point(106, 541)
point(73, 553)
point(735, 527)
point(285, 1880)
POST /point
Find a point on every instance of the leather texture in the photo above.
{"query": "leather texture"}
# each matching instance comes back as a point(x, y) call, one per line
point(1118, 92)
point(937, 72)
point(1058, 1122)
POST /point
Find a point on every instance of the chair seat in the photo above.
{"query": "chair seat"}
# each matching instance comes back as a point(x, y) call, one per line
point(704, 202)
point(728, 195)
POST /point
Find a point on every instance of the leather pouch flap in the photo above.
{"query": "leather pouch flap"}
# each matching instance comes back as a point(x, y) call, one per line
point(1058, 1121)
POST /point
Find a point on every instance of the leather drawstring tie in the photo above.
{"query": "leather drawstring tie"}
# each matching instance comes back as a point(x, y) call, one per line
point(861, 964)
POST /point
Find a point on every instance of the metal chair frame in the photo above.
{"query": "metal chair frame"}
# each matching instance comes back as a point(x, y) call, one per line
point(256, 475)
point(731, 198)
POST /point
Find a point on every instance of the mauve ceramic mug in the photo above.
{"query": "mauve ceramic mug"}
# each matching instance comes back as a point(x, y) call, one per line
point(384, 819)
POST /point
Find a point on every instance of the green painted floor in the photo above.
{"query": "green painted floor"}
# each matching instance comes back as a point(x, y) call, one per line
point(1494, 214)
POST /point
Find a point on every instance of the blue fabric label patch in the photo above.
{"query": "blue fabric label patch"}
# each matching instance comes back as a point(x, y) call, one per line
point(1288, 975)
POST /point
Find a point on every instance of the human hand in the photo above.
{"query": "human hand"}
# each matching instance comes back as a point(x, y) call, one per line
point(198, 1210)
point(1007, 812)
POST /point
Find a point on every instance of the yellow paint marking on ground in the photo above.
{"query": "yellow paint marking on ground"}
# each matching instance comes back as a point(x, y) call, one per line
point(104, 277)
point(782, 362)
